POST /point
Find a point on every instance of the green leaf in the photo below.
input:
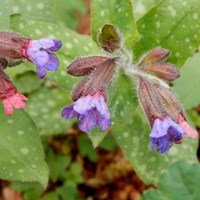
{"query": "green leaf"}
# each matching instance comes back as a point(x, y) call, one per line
point(74, 45)
point(22, 156)
point(117, 13)
point(142, 6)
point(73, 175)
point(31, 191)
point(62, 12)
point(27, 82)
point(181, 181)
point(5, 15)
point(45, 107)
point(109, 143)
point(173, 25)
point(51, 196)
point(187, 86)
point(69, 191)
point(65, 11)
point(86, 149)
point(57, 164)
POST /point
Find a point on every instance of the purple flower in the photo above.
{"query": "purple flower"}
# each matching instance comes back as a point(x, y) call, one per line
point(91, 111)
point(39, 52)
point(164, 133)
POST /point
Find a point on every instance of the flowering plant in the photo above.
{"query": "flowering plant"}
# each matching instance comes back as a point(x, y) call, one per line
point(134, 69)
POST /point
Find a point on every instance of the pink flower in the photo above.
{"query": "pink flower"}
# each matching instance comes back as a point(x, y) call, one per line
point(9, 95)
point(190, 132)
point(14, 101)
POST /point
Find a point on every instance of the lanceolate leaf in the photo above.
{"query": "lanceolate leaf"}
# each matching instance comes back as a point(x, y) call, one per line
point(74, 45)
point(22, 156)
point(117, 13)
point(188, 85)
point(181, 181)
point(174, 25)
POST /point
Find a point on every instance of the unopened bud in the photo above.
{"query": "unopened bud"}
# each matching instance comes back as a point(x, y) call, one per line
point(158, 101)
point(156, 55)
point(109, 38)
point(164, 71)
point(83, 66)
point(97, 80)
point(11, 45)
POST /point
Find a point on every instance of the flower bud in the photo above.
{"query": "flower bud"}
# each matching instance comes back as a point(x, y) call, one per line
point(97, 80)
point(158, 101)
point(9, 95)
point(165, 115)
point(11, 45)
point(109, 38)
point(154, 56)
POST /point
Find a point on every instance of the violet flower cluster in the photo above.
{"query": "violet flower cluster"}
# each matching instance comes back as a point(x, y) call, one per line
point(162, 108)
point(89, 95)
point(13, 50)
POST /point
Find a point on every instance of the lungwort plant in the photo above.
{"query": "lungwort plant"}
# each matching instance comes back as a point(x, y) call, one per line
point(118, 80)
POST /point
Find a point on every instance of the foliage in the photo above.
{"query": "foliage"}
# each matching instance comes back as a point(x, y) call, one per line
point(178, 182)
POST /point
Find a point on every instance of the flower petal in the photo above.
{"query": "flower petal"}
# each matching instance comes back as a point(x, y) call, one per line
point(40, 58)
point(84, 104)
point(52, 63)
point(89, 121)
point(41, 72)
point(68, 112)
point(190, 132)
point(57, 45)
point(104, 123)
point(162, 144)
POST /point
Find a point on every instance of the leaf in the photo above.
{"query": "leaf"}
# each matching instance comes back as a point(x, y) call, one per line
point(188, 85)
point(57, 164)
point(45, 107)
point(22, 156)
point(62, 12)
point(68, 191)
point(86, 149)
point(117, 13)
point(173, 25)
point(131, 131)
point(74, 45)
point(5, 15)
point(181, 181)
point(142, 6)
point(27, 82)
point(66, 11)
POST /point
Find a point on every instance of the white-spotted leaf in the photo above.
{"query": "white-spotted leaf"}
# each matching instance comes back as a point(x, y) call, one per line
point(117, 13)
point(174, 25)
point(22, 156)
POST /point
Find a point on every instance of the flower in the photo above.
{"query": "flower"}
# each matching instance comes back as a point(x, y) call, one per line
point(190, 132)
point(39, 52)
point(164, 133)
point(91, 111)
point(16, 100)
point(9, 95)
